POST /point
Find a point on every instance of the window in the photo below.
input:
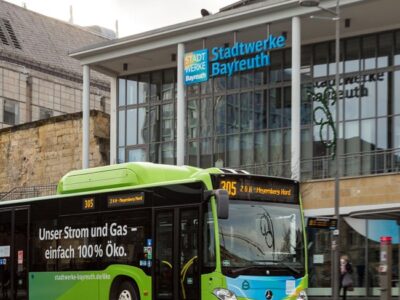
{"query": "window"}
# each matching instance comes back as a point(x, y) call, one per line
point(241, 121)
point(130, 233)
point(137, 154)
point(45, 113)
point(11, 112)
point(208, 234)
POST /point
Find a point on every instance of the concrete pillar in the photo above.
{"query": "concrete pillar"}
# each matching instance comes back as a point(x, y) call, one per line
point(180, 126)
point(296, 97)
point(85, 116)
point(113, 120)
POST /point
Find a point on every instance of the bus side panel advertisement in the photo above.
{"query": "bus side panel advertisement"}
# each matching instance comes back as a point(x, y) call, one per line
point(97, 252)
point(82, 285)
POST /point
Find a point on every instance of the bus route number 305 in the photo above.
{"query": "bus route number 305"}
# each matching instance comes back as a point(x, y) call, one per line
point(230, 186)
point(88, 203)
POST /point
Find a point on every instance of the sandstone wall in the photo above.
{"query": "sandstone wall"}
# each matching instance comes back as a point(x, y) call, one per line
point(367, 190)
point(41, 152)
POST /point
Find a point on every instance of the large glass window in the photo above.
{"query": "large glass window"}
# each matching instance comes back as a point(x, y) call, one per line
point(369, 47)
point(206, 154)
point(275, 108)
point(122, 92)
point(167, 92)
point(260, 110)
point(131, 120)
point(260, 152)
point(352, 54)
point(143, 88)
point(396, 96)
point(243, 120)
point(167, 123)
point(352, 243)
point(193, 109)
point(320, 67)
point(206, 120)
point(382, 95)
point(131, 90)
point(246, 112)
point(220, 115)
point(121, 128)
point(232, 113)
point(368, 99)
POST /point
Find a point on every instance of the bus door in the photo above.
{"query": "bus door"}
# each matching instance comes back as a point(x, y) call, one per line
point(176, 272)
point(14, 254)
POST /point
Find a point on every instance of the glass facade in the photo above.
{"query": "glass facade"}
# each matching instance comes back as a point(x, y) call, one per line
point(361, 243)
point(244, 121)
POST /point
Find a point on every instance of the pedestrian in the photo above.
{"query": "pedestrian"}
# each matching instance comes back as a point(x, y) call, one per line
point(346, 280)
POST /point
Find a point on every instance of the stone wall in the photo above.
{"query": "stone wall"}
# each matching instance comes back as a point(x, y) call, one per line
point(41, 152)
point(367, 190)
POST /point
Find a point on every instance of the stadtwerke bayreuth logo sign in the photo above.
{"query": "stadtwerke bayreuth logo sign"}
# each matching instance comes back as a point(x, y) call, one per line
point(196, 66)
point(229, 60)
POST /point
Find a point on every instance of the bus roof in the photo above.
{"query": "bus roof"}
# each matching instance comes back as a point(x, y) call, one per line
point(122, 177)
point(126, 175)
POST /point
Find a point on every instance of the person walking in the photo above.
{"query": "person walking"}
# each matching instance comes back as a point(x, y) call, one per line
point(346, 280)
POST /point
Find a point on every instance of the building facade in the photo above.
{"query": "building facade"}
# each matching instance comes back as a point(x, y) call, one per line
point(244, 118)
point(38, 79)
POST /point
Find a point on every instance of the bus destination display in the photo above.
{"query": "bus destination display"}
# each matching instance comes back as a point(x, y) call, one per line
point(252, 188)
point(126, 200)
point(322, 223)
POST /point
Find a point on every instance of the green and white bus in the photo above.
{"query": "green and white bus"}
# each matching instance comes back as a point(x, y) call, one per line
point(145, 231)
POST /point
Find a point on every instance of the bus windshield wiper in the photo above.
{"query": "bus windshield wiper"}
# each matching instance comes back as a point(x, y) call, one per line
point(280, 263)
point(262, 264)
point(241, 269)
point(290, 267)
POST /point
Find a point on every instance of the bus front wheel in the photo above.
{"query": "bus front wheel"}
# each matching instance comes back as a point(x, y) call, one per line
point(125, 291)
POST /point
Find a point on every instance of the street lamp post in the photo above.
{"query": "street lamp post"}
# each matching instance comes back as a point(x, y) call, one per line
point(336, 241)
point(336, 234)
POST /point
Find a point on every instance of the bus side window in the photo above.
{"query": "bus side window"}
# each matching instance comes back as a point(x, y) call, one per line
point(44, 215)
point(208, 239)
point(128, 240)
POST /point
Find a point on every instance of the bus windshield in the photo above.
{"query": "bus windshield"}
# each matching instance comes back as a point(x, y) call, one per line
point(261, 238)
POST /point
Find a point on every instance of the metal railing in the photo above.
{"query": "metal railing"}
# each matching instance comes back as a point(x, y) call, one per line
point(352, 164)
point(29, 192)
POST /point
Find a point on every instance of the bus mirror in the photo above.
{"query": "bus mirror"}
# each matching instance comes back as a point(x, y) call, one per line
point(222, 199)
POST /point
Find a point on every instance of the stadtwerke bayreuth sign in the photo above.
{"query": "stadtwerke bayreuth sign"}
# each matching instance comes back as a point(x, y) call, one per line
point(229, 60)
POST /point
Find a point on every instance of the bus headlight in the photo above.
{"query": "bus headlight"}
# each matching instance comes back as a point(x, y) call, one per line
point(302, 295)
point(224, 294)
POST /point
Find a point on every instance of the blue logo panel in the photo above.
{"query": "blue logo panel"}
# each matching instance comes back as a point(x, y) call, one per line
point(256, 287)
point(196, 66)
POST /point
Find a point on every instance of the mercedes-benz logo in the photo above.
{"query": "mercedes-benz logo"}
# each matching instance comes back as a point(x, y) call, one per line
point(268, 295)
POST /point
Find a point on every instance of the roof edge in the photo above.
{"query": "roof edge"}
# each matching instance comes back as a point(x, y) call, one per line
point(183, 27)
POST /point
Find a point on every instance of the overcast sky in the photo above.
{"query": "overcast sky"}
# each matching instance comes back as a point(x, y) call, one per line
point(134, 16)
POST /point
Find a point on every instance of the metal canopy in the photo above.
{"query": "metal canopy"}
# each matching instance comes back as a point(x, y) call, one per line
point(392, 213)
